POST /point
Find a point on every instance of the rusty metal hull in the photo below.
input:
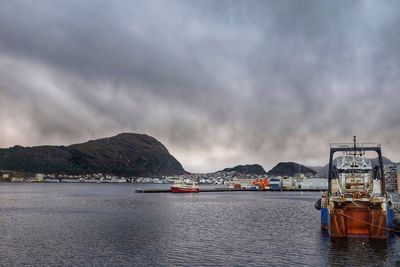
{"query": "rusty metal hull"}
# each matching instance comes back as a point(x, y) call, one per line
point(361, 221)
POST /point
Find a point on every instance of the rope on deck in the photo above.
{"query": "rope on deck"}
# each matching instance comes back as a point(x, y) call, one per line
point(371, 224)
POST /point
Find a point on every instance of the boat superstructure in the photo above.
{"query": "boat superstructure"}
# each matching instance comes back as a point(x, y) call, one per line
point(356, 203)
point(181, 187)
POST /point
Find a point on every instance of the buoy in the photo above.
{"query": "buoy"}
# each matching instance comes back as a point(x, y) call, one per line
point(317, 205)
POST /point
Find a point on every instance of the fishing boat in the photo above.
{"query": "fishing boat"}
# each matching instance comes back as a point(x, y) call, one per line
point(183, 188)
point(356, 203)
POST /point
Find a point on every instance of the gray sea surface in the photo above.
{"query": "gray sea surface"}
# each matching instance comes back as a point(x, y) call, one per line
point(111, 225)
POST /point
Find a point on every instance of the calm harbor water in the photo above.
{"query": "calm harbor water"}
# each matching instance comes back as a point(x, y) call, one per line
point(110, 224)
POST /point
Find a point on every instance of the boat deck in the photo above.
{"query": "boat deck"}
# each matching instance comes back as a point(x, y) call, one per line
point(396, 203)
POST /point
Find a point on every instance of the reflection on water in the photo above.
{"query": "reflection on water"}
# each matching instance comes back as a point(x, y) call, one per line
point(358, 251)
point(111, 225)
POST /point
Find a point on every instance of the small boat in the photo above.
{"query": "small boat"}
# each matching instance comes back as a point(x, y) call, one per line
point(182, 188)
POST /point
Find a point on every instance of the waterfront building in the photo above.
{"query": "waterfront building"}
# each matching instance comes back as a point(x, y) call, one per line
point(275, 183)
point(314, 184)
point(244, 183)
point(390, 172)
point(288, 183)
point(39, 177)
point(398, 178)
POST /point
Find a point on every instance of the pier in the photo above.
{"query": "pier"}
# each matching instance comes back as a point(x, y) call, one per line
point(207, 190)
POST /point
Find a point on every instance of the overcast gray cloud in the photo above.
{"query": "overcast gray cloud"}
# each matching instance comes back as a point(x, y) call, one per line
point(218, 82)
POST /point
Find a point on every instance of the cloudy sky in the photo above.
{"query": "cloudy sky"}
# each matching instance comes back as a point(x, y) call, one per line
point(220, 83)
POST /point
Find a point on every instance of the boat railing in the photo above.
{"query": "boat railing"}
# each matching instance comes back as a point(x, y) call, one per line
point(358, 145)
point(395, 200)
point(396, 206)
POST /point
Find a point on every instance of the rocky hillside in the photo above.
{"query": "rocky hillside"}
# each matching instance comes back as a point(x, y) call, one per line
point(289, 169)
point(247, 169)
point(125, 154)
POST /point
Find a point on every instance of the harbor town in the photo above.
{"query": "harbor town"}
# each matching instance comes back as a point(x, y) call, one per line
point(225, 179)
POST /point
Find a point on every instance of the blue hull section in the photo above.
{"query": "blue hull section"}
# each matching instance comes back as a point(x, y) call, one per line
point(390, 218)
point(324, 218)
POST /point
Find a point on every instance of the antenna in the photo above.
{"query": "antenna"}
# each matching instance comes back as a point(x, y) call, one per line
point(356, 150)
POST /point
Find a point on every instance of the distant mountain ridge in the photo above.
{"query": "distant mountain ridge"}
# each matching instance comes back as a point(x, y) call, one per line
point(289, 169)
point(247, 169)
point(125, 154)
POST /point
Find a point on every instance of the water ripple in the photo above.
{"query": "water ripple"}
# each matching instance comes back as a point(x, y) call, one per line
point(110, 225)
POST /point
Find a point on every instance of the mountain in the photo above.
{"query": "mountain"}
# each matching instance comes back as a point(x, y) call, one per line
point(323, 170)
point(126, 154)
point(246, 169)
point(386, 161)
point(289, 169)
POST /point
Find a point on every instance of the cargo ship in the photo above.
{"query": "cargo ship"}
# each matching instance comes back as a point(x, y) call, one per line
point(356, 203)
point(183, 188)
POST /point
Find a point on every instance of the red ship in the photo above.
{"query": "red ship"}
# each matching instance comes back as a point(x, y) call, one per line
point(181, 188)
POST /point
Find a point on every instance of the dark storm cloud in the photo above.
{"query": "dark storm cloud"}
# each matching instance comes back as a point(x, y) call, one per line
point(218, 82)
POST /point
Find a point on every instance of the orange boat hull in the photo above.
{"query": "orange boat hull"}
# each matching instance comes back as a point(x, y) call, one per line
point(358, 221)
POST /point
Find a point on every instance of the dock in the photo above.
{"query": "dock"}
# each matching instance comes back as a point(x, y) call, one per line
point(167, 190)
point(205, 190)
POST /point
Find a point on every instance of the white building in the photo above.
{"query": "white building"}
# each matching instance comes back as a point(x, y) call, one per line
point(288, 183)
point(313, 183)
point(39, 177)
